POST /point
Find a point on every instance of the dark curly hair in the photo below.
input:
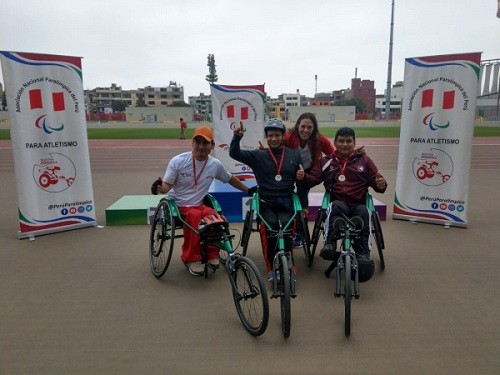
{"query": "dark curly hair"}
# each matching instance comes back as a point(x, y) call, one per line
point(314, 138)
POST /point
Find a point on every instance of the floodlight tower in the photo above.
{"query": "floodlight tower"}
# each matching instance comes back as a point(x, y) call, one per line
point(389, 69)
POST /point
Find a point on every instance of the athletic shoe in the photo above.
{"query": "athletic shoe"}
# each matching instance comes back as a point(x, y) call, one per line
point(327, 252)
point(213, 263)
point(196, 268)
point(297, 241)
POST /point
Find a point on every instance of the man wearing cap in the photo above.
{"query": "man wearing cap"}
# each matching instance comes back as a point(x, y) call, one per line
point(187, 180)
point(276, 169)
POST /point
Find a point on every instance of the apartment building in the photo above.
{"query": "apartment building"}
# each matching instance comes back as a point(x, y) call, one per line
point(100, 99)
point(159, 96)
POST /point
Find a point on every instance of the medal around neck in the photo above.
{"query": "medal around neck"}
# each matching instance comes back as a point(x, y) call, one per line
point(341, 178)
point(278, 177)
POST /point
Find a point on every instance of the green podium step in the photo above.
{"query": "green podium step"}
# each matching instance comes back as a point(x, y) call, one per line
point(132, 210)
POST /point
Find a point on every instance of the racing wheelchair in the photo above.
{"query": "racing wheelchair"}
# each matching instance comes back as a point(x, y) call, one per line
point(248, 287)
point(350, 270)
point(376, 235)
point(283, 284)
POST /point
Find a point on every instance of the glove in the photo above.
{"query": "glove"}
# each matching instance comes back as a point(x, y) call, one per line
point(252, 190)
point(156, 184)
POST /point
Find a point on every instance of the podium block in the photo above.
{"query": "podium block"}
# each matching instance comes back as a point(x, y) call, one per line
point(132, 210)
point(138, 209)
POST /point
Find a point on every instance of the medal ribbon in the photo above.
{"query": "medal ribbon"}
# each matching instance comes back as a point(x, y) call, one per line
point(341, 167)
point(278, 168)
point(195, 177)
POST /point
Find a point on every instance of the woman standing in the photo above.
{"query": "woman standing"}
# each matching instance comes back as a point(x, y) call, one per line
point(305, 137)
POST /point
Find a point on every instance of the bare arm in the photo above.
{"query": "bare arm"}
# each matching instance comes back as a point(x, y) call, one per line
point(235, 182)
point(165, 188)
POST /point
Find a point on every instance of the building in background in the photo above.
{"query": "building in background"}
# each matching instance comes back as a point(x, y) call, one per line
point(364, 90)
point(396, 104)
point(202, 106)
point(166, 95)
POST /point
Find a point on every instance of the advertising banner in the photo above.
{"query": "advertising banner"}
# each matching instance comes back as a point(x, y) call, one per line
point(435, 144)
point(49, 142)
point(230, 105)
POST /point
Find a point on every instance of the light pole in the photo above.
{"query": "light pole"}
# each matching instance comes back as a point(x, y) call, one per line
point(389, 69)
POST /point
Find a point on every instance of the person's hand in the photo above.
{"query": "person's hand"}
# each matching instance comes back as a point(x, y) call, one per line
point(156, 186)
point(300, 173)
point(252, 190)
point(239, 131)
point(380, 181)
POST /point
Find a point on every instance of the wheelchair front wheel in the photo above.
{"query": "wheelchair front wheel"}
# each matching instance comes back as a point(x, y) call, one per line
point(347, 294)
point(284, 294)
point(303, 230)
point(379, 238)
point(161, 240)
point(250, 296)
point(320, 217)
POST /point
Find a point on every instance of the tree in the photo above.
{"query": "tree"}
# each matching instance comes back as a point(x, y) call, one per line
point(179, 103)
point(356, 102)
point(212, 72)
point(3, 102)
point(119, 106)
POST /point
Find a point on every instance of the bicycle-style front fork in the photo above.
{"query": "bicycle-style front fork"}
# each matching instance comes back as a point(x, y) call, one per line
point(276, 268)
point(354, 271)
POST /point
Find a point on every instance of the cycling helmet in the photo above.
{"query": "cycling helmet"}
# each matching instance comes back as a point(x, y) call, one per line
point(275, 124)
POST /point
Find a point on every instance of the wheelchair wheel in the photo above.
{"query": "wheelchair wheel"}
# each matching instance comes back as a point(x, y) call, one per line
point(250, 296)
point(317, 230)
point(247, 231)
point(379, 238)
point(306, 241)
point(347, 294)
point(161, 242)
point(284, 293)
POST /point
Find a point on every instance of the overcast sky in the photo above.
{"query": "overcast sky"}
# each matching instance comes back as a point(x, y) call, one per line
point(283, 44)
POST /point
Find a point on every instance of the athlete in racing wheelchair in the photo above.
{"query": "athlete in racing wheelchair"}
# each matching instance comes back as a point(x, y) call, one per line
point(347, 175)
point(187, 180)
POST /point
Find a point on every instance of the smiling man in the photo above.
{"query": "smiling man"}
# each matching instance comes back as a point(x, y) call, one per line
point(347, 175)
point(187, 180)
point(276, 169)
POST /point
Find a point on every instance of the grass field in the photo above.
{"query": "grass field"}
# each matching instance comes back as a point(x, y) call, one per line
point(365, 132)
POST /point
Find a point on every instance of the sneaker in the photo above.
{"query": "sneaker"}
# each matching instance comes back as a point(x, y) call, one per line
point(297, 241)
point(327, 252)
point(213, 263)
point(270, 276)
point(196, 268)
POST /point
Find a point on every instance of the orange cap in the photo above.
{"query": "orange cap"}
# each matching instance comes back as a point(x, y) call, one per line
point(205, 132)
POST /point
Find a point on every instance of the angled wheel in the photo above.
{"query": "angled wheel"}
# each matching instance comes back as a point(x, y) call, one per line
point(347, 294)
point(161, 241)
point(247, 231)
point(284, 289)
point(317, 230)
point(379, 238)
point(303, 229)
point(250, 296)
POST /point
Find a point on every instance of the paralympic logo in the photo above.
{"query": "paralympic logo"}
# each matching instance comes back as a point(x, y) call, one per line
point(36, 102)
point(448, 102)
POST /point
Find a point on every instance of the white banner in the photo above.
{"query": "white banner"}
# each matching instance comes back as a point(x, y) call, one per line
point(230, 105)
point(435, 144)
point(49, 142)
